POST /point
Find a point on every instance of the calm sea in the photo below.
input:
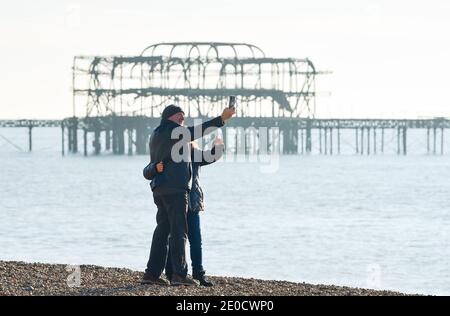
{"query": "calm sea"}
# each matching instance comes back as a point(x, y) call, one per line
point(368, 221)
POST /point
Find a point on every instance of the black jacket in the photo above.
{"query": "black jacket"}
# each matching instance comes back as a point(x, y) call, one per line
point(196, 195)
point(199, 158)
point(177, 176)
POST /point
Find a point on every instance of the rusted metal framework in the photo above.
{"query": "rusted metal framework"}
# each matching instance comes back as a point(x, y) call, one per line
point(198, 76)
point(30, 123)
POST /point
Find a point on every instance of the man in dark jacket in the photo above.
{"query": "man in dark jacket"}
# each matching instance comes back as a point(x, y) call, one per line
point(199, 159)
point(168, 143)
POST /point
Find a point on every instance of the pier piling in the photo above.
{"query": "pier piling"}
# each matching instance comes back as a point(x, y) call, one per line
point(434, 140)
point(320, 140)
point(331, 141)
point(294, 135)
point(141, 138)
point(108, 139)
point(302, 141)
point(30, 137)
point(96, 143)
point(374, 141)
point(62, 138)
point(85, 141)
point(339, 140)
point(308, 136)
point(362, 140)
point(120, 141)
point(404, 140)
point(69, 139)
point(130, 141)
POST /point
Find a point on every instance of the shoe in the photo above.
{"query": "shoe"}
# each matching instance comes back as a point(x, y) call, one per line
point(202, 278)
point(148, 279)
point(182, 280)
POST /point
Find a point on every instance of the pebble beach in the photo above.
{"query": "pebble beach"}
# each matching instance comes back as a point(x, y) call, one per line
point(38, 279)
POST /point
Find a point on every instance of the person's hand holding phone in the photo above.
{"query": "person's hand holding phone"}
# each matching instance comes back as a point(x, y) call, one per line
point(230, 110)
point(228, 113)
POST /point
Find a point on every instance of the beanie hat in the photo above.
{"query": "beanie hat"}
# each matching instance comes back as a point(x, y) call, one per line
point(171, 110)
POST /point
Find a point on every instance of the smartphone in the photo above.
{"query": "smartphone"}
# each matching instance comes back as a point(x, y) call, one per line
point(232, 102)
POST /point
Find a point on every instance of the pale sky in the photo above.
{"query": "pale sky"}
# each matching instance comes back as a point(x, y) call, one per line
point(389, 58)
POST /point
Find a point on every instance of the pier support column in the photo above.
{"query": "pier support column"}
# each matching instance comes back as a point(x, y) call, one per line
point(362, 140)
point(308, 136)
point(253, 139)
point(320, 140)
point(96, 143)
point(30, 137)
point(398, 140)
point(115, 142)
point(130, 141)
point(69, 138)
point(286, 143)
point(331, 141)
point(339, 140)
point(118, 141)
point(121, 141)
point(357, 141)
point(62, 138)
point(74, 135)
point(141, 138)
point(374, 141)
point(294, 138)
point(276, 138)
point(85, 141)
point(428, 140)
point(404, 140)
point(434, 140)
point(248, 137)
point(263, 140)
point(108, 139)
point(442, 140)
point(325, 130)
point(382, 140)
point(240, 142)
point(302, 142)
point(368, 141)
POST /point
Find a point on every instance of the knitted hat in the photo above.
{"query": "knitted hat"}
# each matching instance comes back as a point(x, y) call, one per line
point(171, 110)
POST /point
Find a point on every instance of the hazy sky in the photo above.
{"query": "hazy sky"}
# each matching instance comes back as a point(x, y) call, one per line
point(389, 58)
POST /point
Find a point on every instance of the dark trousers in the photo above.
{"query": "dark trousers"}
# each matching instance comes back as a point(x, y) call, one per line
point(171, 221)
point(195, 243)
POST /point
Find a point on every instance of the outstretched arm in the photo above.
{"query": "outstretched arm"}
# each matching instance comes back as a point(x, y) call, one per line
point(207, 127)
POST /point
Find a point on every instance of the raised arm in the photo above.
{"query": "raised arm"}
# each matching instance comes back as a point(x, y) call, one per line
point(207, 127)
